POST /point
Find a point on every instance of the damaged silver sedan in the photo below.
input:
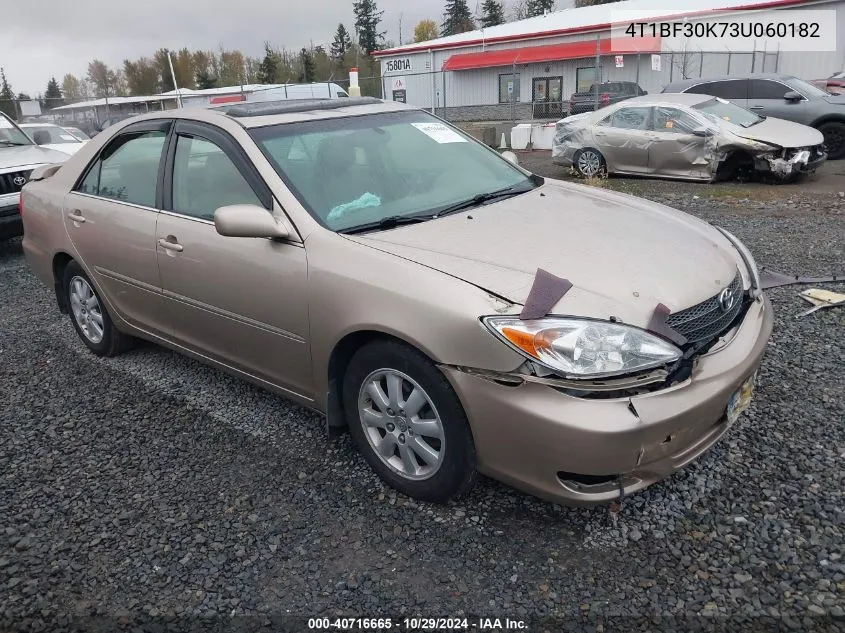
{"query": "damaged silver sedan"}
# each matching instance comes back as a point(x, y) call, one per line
point(689, 136)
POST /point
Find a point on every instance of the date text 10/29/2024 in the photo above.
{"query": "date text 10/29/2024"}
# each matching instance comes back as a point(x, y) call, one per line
point(490, 625)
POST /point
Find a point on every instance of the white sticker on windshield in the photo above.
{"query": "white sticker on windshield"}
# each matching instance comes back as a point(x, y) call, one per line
point(67, 137)
point(720, 100)
point(439, 132)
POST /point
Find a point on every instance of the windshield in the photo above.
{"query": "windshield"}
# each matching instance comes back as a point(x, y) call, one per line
point(82, 136)
point(723, 111)
point(354, 171)
point(806, 88)
point(46, 134)
point(10, 134)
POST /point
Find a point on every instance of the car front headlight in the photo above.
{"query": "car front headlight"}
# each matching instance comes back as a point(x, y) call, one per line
point(582, 348)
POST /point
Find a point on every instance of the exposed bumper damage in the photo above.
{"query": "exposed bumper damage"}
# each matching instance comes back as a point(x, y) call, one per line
point(790, 162)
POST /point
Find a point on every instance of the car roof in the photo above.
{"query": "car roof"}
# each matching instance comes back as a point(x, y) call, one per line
point(38, 125)
point(681, 99)
point(685, 83)
point(261, 114)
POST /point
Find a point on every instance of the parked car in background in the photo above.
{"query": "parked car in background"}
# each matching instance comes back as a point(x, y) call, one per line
point(53, 137)
point(19, 156)
point(835, 84)
point(781, 96)
point(326, 250)
point(82, 136)
point(609, 92)
point(687, 136)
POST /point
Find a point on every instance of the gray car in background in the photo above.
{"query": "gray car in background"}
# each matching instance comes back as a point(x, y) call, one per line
point(781, 96)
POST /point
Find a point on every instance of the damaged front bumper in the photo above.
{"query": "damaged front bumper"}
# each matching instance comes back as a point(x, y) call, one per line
point(581, 451)
point(788, 163)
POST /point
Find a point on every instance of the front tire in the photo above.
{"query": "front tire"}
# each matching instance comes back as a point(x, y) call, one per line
point(89, 316)
point(408, 422)
point(834, 139)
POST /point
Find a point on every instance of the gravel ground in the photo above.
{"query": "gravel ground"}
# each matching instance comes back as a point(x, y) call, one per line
point(149, 485)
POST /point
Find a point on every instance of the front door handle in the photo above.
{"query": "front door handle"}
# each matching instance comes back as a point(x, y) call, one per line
point(756, 108)
point(76, 216)
point(170, 245)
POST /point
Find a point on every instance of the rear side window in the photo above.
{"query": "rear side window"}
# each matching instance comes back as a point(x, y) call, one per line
point(629, 118)
point(127, 170)
point(731, 89)
point(766, 89)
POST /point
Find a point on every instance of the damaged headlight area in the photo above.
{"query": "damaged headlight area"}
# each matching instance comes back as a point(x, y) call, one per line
point(786, 162)
point(583, 348)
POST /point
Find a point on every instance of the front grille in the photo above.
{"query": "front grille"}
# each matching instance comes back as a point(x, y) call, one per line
point(706, 320)
point(7, 181)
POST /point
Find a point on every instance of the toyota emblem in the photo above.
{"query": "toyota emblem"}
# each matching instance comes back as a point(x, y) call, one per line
point(726, 300)
point(19, 181)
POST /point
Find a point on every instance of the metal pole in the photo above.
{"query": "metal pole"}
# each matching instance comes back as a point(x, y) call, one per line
point(597, 74)
point(513, 95)
point(671, 65)
point(173, 76)
point(729, 62)
point(638, 68)
point(433, 82)
point(701, 64)
point(754, 56)
point(443, 81)
point(765, 54)
point(777, 57)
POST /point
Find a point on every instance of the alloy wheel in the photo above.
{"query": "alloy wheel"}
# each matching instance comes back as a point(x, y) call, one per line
point(86, 309)
point(401, 424)
point(589, 163)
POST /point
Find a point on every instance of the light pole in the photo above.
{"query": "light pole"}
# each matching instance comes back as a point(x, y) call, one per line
point(173, 76)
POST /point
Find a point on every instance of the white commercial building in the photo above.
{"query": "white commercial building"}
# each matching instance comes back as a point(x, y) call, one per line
point(529, 68)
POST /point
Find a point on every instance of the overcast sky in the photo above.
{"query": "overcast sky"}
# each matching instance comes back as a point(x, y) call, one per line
point(42, 38)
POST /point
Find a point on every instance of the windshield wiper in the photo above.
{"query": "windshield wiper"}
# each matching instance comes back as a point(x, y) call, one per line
point(384, 224)
point(15, 143)
point(760, 120)
point(483, 198)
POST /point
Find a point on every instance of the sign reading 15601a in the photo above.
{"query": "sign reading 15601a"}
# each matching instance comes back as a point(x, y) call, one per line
point(398, 65)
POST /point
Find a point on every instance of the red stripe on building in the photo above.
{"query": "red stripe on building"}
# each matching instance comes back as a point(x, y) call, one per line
point(551, 53)
point(227, 99)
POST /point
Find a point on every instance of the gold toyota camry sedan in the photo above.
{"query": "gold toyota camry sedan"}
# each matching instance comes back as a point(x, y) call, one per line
point(457, 313)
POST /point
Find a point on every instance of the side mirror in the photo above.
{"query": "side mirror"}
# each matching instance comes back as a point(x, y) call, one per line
point(793, 96)
point(511, 157)
point(248, 220)
point(701, 131)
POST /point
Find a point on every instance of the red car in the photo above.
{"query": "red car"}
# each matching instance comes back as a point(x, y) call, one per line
point(835, 84)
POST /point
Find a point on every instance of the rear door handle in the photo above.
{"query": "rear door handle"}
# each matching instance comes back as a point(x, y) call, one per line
point(756, 108)
point(170, 246)
point(76, 216)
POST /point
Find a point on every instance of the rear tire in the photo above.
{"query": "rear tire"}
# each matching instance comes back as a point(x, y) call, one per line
point(89, 315)
point(408, 422)
point(834, 139)
point(589, 163)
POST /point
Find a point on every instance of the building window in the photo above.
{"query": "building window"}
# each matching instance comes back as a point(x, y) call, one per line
point(509, 88)
point(584, 79)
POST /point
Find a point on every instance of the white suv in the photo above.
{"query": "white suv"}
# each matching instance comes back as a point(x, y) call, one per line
point(19, 155)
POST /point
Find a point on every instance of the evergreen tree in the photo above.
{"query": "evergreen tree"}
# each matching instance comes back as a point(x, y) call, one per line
point(269, 67)
point(493, 13)
point(367, 19)
point(457, 18)
point(306, 61)
point(53, 94)
point(539, 7)
point(7, 96)
point(341, 43)
point(205, 80)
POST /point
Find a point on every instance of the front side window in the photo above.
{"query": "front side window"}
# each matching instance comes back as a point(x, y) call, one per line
point(353, 171)
point(44, 134)
point(205, 178)
point(509, 88)
point(674, 121)
point(806, 88)
point(127, 170)
point(766, 89)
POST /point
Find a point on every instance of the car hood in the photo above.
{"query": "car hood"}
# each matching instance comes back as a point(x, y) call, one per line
point(26, 155)
point(65, 148)
point(623, 255)
point(781, 133)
